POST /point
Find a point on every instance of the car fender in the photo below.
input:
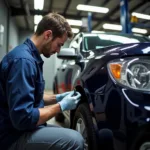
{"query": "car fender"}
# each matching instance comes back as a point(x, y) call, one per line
point(85, 97)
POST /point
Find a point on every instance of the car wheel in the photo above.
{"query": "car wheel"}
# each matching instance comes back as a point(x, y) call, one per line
point(143, 143)
point(145, 146)
point(60, 118)
point(82, 122)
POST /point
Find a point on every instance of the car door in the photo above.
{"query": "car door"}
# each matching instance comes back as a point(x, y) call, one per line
point(73, 67)
point(61, 76)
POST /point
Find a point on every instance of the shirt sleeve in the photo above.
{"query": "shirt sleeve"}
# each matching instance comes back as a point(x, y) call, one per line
point(20, 91)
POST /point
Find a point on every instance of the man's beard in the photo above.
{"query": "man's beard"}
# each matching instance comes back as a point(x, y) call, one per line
point(46, 50)
point(47, 56)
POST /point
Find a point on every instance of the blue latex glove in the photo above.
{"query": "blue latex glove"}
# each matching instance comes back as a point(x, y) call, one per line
point(59, 97)
point(70, 101)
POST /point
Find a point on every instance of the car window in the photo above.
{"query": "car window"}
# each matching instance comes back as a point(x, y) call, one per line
point(74, 43)
point(103, 40)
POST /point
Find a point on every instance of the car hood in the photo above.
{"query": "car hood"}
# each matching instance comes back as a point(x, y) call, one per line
point(136, 49)
point(130, 49)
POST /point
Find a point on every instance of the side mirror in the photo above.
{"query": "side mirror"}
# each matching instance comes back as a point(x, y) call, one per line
point(67, 53)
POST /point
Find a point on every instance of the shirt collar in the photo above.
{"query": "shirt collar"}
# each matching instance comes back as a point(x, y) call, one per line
point(34, 50)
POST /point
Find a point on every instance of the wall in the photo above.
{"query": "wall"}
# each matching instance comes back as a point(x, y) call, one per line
point(10, 37)
point(3, 21)
point(13, 34)
point(23, 34)
point(49, 71)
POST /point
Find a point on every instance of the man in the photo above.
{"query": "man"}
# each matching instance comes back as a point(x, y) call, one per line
point(22, 113)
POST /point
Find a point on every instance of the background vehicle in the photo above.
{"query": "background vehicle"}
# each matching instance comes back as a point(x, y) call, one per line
point(113, 79)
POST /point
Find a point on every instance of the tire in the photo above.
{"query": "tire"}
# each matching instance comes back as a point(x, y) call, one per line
point(60, 118)
point(143, 143)
point(145, 146)
point(84, 117)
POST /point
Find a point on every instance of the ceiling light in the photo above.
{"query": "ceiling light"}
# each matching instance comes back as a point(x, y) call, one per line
point(75, 30)
point(74, 22)
point(142, 16)
point(38, 4)
point(119, 28)
point(138, 30)
point(92, 8)
point(37, 18)
point(112, 26)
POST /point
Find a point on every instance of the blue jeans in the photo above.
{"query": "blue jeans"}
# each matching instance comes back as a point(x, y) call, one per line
point(50, 138)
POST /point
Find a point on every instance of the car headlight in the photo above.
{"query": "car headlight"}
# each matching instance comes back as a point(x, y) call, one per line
point(131, 72)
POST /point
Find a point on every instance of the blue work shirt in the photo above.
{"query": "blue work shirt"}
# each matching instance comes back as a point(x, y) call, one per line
point(21, 92)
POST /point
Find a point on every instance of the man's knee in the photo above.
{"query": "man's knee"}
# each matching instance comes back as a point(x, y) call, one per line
point(77, 140)
point(51, 138)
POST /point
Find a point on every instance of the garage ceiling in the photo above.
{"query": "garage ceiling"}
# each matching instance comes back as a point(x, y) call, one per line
point(23, 11)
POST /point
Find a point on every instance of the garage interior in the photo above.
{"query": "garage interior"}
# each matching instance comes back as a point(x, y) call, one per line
point(19, 19)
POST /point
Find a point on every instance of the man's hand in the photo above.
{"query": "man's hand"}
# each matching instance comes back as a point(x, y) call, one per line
point(59, 97)
point(70, 101)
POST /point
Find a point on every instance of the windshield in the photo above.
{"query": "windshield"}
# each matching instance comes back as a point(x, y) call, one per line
point(103, 40)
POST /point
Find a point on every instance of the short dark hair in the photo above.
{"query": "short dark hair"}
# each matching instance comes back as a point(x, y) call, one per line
point(55, 22)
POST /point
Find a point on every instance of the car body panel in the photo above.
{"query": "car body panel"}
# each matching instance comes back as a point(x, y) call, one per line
point(113, 106)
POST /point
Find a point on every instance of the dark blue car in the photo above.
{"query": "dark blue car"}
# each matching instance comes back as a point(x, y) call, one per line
point(112, 73)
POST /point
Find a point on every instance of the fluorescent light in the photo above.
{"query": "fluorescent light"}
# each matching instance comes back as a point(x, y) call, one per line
point(75, 30)
point(112, 26)
point(138, 30)
point(38, 4)
point(92, 8)
point(94, 31)
point(142, 16)
point(119, 28)
point(37, 19)
point(35, 27)
point(74, 22)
